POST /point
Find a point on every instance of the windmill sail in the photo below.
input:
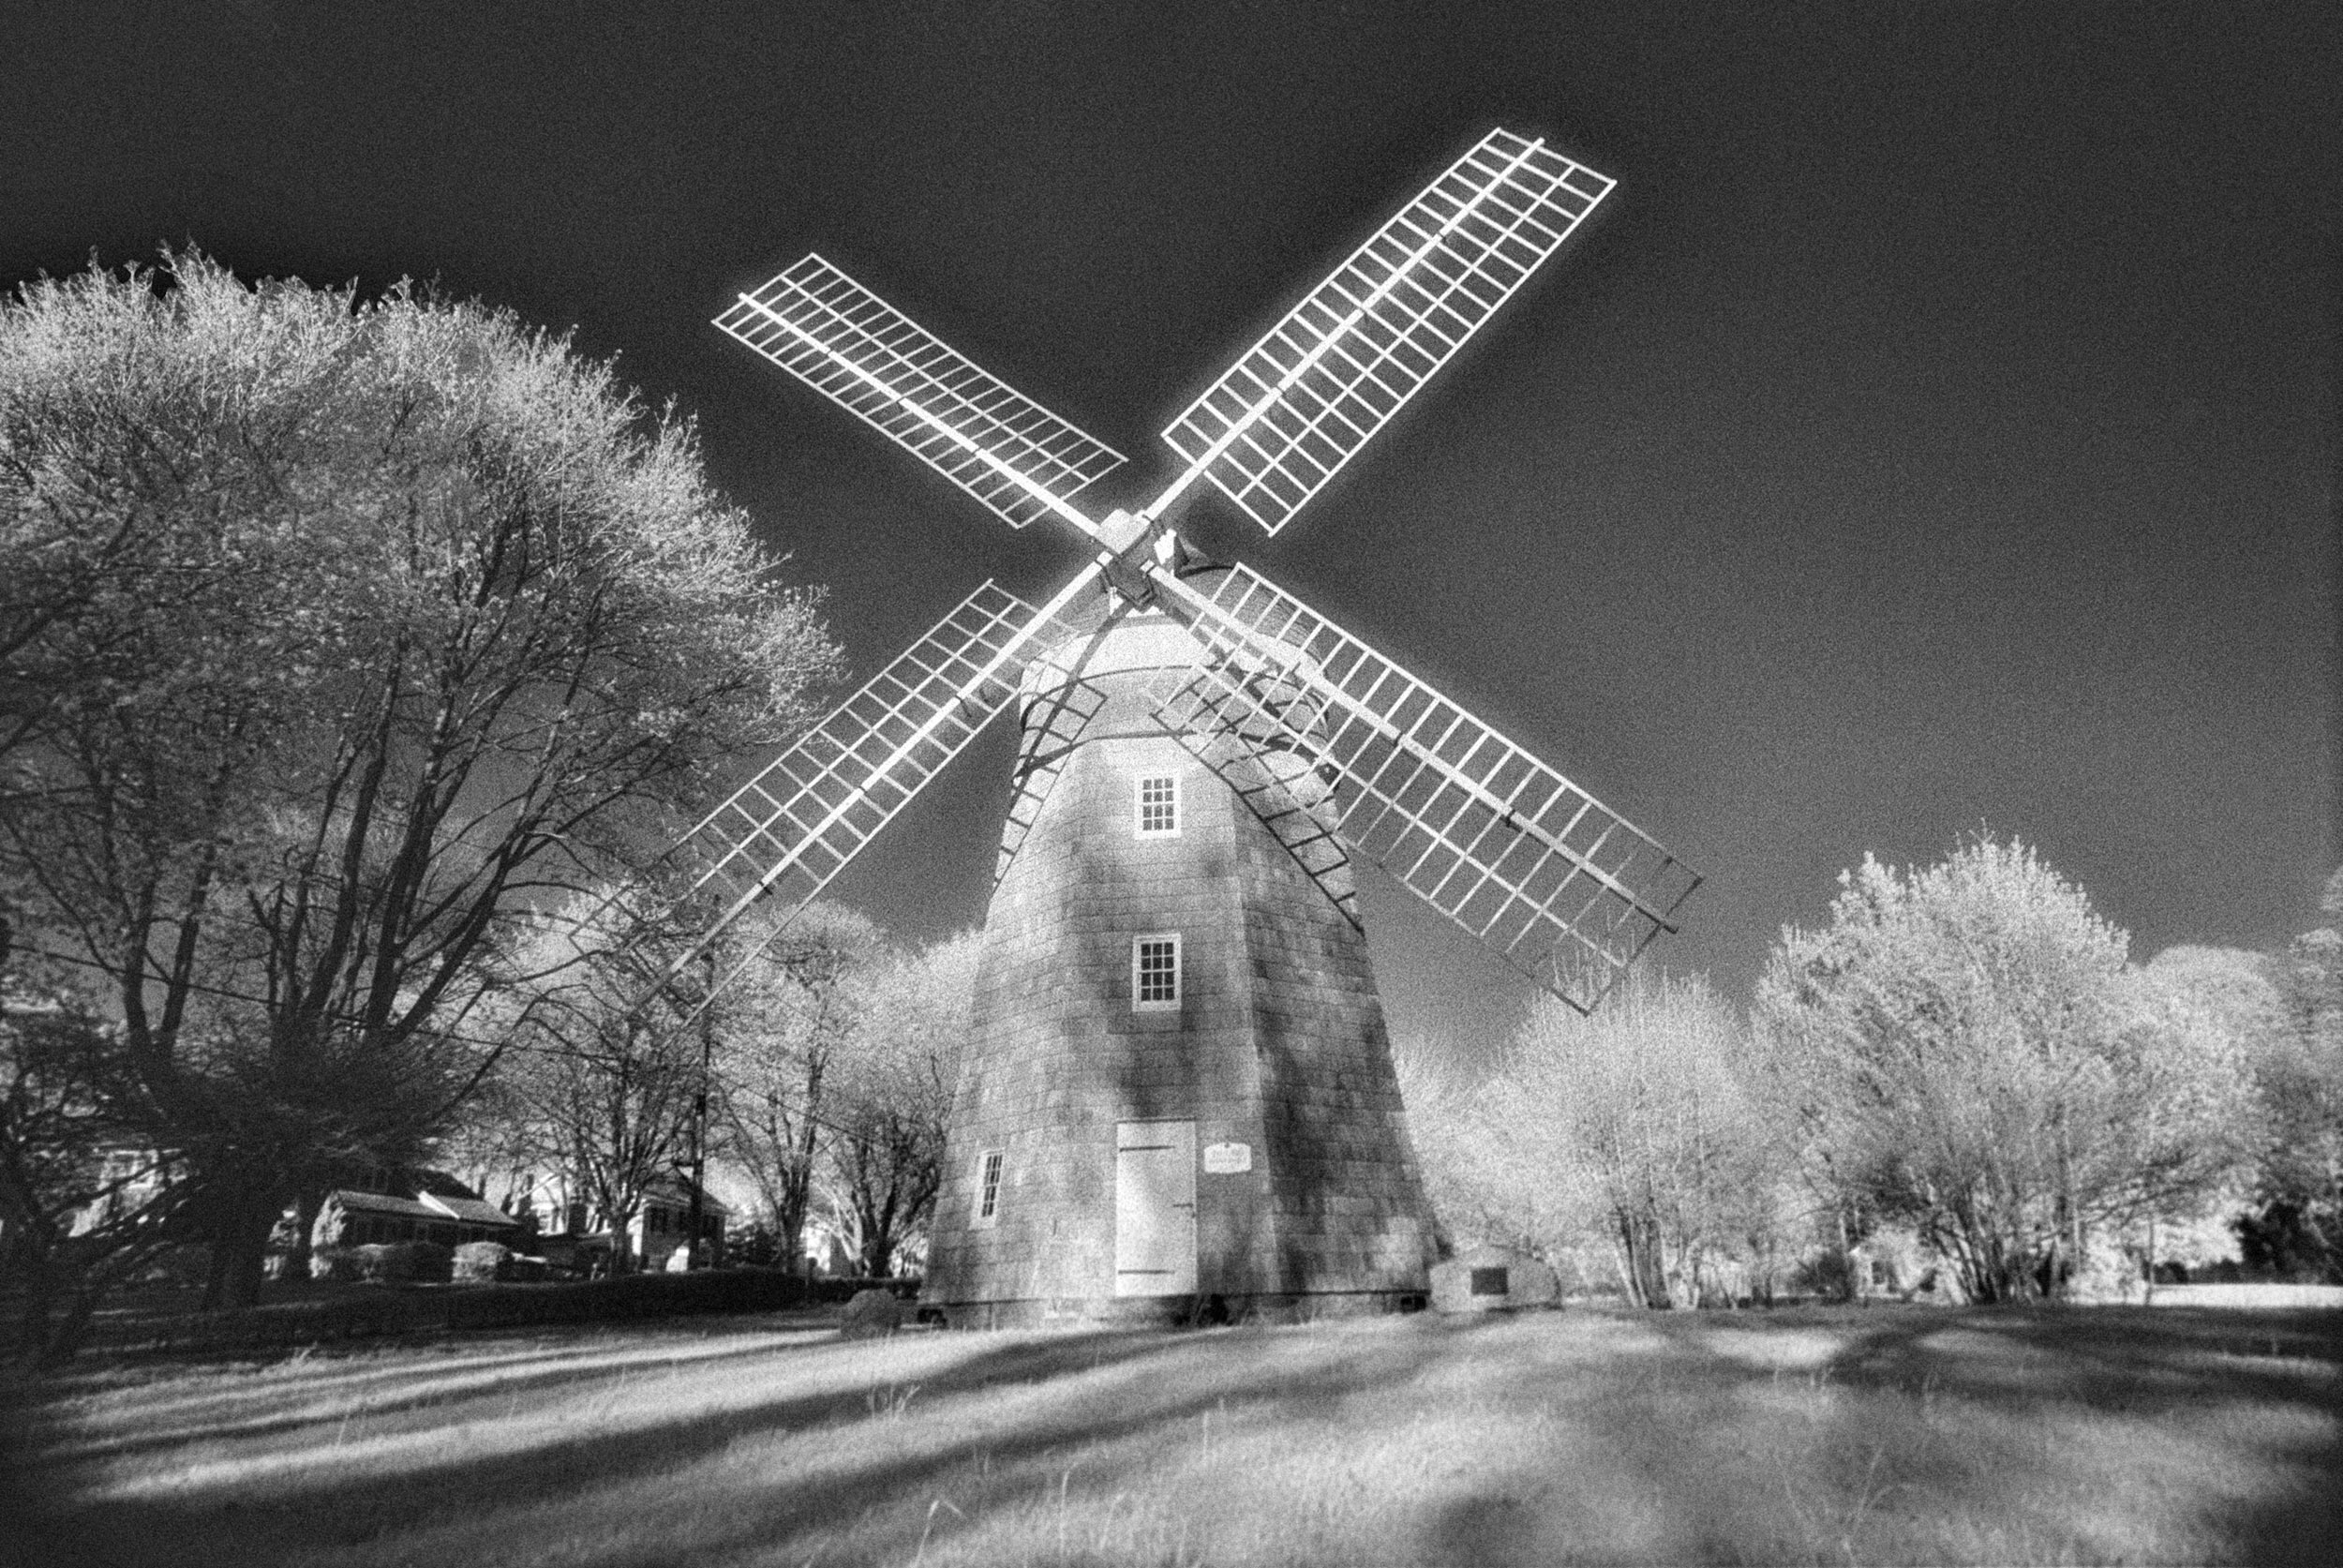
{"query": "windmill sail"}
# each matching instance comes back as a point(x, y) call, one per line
point(786, 833)
point(1334, 748)
point(1286, 417)
point(974, 428)
point(1267, 748)
point(1563, 888)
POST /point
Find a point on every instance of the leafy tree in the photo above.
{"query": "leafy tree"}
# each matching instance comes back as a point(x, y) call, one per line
point(1975, 1056)
point(1640, 1134)
point(2299, 1074)
point(1472, 1173)
point(337, 637)
point(1648, 1107)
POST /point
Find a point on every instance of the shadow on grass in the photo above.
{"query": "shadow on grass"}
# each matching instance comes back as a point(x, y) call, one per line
point(2026, 1368)
point(407, 1385)
point(2145, 1364)
point(2016, 1383)
point(344, 1509)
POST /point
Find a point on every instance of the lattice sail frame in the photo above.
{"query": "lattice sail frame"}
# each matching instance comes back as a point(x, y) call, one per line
point(789, 830)
point(1505, 846)
point(1564, 889)
point(964, 421)
point(1284, 418)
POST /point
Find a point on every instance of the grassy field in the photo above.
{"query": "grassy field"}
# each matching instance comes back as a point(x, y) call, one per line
point(1839, 1435)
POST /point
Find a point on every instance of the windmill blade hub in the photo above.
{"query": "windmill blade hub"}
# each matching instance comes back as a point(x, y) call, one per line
point(1122, 530)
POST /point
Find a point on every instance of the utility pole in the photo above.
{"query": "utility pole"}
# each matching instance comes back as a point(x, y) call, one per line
point(699, 1122)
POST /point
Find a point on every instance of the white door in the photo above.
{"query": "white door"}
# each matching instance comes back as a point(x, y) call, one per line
point(1155, 1208)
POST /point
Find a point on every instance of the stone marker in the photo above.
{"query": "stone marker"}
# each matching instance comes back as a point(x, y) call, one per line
point(1492, 1279)
point(873, 1314)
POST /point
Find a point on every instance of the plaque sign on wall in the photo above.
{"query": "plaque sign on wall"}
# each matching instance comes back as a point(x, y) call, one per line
point(1227, 1159)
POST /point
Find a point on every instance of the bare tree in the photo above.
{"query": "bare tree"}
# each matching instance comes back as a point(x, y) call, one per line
point(890, 1093)
point(788, 1021)
point(377, 627)
point(604, 1074)
point(83, 1204)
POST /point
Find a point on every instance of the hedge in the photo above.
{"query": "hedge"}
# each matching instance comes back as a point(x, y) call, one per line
point(482, 1262)
point(369, 1311)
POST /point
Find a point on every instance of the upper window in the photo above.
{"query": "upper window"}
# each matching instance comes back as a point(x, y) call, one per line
point(1154, 972)
point(1159, 806)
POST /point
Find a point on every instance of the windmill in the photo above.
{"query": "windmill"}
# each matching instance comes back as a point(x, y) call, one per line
point(1178, 1088)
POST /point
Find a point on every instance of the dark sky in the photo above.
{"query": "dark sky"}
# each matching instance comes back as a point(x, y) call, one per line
point(1936, 429)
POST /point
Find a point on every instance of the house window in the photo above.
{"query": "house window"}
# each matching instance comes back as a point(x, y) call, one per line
point(1155, 971)
point(1159, 806)
point(989, 1187)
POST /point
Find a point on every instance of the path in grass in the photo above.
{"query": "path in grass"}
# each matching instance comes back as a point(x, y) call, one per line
point(1843, 1435)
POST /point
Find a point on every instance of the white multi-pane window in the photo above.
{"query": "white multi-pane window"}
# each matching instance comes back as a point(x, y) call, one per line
point(1160, 805)
point(1155, 971)
point(987, 1187)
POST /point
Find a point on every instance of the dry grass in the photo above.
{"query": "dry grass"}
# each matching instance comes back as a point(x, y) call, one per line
point(1814, 1436)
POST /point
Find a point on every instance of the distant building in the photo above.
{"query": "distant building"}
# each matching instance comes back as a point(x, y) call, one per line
point(662, 1224)
point(400, 1204)
point(825, 1251)
point(129, 1176)
point(573, 1232)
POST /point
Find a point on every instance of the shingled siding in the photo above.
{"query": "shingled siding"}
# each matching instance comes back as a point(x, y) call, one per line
point(1278, 1044)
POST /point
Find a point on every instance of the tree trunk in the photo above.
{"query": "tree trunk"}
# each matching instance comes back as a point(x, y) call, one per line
point(878, 1247)
point(34, 1314)
point(239, 1246)
point(1639, 1253)
point(67, 1332)
point(622, 1243)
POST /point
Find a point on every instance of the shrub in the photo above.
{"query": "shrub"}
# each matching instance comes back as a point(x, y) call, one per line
point(363, 1314)
point(400, 1263)
point(873, 1314)
point(482, 1262)
point(339, 1263)
point(1828, 1274)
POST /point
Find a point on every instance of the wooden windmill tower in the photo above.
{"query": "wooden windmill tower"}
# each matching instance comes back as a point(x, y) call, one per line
point(1179, 1088)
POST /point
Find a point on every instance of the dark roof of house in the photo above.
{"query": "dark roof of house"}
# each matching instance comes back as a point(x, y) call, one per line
point(471, 1211)
point(380, 1202)
point(676, 1191)
point(438, 1196)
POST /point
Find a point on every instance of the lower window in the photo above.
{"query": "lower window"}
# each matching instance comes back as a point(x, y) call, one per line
point(989, 1187)
point(1155, 971)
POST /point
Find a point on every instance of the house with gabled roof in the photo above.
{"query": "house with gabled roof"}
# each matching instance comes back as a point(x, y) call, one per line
point(411, 1204)
point(575, 1231)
